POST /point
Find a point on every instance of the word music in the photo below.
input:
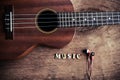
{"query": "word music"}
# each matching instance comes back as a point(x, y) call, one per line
point(67, 56)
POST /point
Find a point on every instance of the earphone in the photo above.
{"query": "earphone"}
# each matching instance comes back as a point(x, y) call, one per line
point(90, 56)
point(88, 53)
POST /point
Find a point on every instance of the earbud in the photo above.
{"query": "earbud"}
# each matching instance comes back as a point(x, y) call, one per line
point(92, 53)
point(89, 53)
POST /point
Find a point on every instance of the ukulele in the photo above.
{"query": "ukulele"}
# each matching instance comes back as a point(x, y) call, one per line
point(24, 24)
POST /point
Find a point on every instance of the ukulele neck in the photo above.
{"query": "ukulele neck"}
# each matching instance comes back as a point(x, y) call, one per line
point(76, 19)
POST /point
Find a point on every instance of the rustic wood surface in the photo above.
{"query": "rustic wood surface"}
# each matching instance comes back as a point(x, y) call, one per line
point(104, 41)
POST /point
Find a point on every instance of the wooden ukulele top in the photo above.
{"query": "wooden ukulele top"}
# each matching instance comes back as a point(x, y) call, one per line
point(26, 38)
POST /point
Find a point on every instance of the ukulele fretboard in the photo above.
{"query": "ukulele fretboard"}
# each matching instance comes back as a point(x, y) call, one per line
point(74, 19)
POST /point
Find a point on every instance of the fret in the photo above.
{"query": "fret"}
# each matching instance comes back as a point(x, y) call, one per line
point(72, 19)
point(112, 19)
point(75, 19)
point(104, 18)
point(96, 19)
point(69, 24)
point(101, 18)
point(84, 19)
point(92, 19)
point(59, 17)
point(79, 20)
point(65, 19)
point(109, 18)
point(118, 17)
point(87, 19)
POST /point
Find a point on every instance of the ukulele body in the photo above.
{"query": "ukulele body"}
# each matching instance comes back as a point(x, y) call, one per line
point(26, 38)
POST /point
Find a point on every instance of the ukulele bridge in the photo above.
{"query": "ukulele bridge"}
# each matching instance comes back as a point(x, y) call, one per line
point(8, 22)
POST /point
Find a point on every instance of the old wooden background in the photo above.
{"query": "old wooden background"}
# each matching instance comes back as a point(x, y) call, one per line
point(104, 41)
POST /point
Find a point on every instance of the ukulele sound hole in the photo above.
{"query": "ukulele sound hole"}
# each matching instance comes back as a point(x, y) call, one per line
point(47, 21)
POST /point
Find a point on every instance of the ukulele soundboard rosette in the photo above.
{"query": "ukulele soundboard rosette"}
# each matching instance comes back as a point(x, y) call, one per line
point(47, 21)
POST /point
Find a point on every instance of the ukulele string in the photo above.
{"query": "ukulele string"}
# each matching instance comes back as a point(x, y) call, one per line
point(62, 16)
point(24, 27)
point(32, 18)
point(63, 13)
point(98, 19)
point(34, 23)
point(112, 16)
point(115, 18)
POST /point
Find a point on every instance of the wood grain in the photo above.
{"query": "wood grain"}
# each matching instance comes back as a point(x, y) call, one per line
point(24, 38)
point(104, 41)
